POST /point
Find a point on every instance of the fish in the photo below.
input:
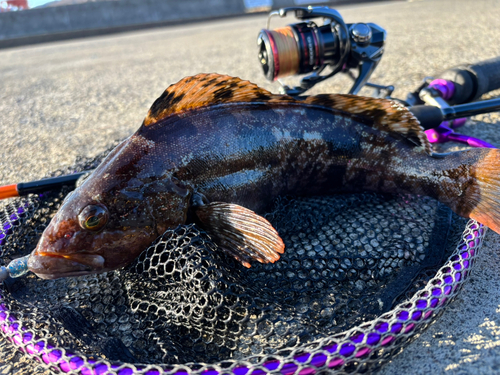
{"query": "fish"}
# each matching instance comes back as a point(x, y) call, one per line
point(217, 151)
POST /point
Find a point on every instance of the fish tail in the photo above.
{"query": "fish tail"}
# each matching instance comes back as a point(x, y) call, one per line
point(484, 198)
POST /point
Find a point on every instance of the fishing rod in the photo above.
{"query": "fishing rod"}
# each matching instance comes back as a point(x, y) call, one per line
point(40, 186)
point(438, 122)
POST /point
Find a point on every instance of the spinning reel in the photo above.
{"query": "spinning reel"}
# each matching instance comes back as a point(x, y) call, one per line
point(305, 47)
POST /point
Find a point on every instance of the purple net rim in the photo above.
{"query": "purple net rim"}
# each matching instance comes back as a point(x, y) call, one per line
point(332, 353)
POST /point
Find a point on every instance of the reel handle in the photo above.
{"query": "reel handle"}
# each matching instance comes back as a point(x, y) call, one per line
point(473, 80)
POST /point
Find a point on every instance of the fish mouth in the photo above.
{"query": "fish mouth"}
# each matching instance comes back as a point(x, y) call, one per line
point(48, 265)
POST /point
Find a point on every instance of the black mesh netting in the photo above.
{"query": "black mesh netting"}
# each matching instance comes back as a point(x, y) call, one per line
point(361, 275)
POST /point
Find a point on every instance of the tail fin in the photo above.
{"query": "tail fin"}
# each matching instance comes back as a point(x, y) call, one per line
point(485, 200)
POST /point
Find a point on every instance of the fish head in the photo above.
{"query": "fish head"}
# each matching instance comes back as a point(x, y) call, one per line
point(89, 235)
point(103, 226)
point(114, 215)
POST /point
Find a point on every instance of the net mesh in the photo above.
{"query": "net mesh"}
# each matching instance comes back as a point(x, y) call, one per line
point(362, 274)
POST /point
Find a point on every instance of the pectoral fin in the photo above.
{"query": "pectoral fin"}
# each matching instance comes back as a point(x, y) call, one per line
point(241, 232)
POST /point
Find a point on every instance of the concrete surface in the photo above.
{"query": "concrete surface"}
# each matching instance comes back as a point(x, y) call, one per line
point(65, 99)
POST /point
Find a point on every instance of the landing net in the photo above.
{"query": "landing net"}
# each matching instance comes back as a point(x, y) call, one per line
point(362, 274)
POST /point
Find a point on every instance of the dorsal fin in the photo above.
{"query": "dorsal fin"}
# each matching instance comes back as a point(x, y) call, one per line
point(387, 115)
point(206, 89)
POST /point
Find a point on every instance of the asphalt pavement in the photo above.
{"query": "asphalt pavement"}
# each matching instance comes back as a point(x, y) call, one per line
point(67, 99)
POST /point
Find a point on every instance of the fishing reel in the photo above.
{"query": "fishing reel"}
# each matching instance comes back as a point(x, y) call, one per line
point(305, 47)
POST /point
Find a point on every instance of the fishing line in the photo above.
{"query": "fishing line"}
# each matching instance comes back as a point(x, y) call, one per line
point(285, 50)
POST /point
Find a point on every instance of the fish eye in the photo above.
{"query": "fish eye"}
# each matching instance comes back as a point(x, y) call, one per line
point(93, 217)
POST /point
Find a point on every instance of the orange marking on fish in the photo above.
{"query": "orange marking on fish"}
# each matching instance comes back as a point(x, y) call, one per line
point(486, 198)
